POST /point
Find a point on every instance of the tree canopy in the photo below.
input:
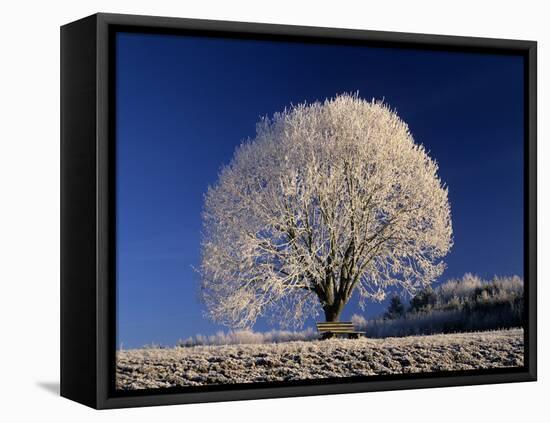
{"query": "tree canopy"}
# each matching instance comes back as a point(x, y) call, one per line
point(328, 199)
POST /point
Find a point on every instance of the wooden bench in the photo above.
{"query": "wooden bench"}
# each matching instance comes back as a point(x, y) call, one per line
point(331, 329)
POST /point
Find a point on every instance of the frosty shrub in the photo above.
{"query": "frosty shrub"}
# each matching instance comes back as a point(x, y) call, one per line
point(154, 346)
point(359, 322)
point(396, 308)
point(458, 305)
point(249, 337)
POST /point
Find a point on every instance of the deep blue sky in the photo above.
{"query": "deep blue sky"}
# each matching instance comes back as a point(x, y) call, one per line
point(185, 103)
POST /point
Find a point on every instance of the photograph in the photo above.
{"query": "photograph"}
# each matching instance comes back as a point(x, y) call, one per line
point(299, 211)
point(244, 212)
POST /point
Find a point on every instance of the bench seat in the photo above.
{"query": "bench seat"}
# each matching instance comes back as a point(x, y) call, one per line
point(331, 329)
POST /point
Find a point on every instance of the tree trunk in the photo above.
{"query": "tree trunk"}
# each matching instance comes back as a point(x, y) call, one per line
point(332, 312)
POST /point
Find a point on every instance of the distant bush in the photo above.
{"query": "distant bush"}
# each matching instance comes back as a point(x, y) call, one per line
point(248, 337)
point(459, 305)
point(359, 322)
point(153, 346)
point(396, 308)
point(424, 301)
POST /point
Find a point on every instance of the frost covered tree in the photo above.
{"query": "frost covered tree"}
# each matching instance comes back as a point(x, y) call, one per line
point(326, 200)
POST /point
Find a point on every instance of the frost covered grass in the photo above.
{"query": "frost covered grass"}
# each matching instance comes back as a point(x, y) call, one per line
point(301, 360)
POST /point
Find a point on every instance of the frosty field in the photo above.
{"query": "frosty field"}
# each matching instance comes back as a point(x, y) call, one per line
point(194, 366)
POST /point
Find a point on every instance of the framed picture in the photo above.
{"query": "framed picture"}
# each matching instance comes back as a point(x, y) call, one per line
point(259, 211)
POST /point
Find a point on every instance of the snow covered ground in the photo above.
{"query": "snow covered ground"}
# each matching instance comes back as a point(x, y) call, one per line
point(157, 368)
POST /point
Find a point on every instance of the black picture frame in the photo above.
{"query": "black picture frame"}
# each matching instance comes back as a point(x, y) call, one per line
point(88, 285)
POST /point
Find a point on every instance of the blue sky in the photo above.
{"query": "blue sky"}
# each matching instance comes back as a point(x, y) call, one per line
point(184, 103)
